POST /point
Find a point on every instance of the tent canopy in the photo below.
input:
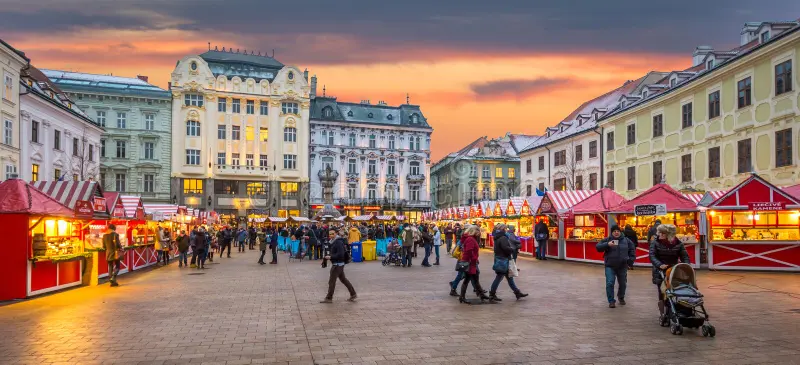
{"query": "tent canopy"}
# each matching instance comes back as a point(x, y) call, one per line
point(600, 202)
point(754, 190)
point(794, 190)
point(21, 198)
point(659, 194)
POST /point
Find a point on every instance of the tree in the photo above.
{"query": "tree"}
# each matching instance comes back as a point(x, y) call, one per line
point(572, 168)
point(83, 164)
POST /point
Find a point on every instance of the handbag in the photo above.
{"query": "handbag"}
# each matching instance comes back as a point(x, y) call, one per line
point(462, 266)
point(457, 253)
point(512, 268)
point(500, 265)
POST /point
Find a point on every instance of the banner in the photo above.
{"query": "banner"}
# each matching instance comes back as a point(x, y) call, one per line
point(84, 209)
point(650, 209)
point(766, 206)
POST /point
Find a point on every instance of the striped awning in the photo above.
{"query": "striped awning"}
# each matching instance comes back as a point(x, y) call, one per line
point(709, 196)
point(69, 192)
point(167, 209)
point(515, 205)
point(564, 199)
point(384, 217)
point(277, 219)
point(401, 217)
point(130, 203)
point(300, 219)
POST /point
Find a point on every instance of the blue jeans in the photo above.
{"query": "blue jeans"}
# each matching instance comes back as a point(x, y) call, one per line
point(182, 258)
point(459, 277)
point(428, 248)
point(499, 278)
point(620, 274)
point(541, 251)
point(436, 249)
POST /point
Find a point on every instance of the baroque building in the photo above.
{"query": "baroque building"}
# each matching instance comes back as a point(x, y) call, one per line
point(135, 151)
point(240, 134)
point(485, 169)
point(374, 158)
point(11, 63)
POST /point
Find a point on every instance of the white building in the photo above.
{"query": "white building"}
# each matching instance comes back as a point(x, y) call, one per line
point(58, 138)
point(568, 155)
point(240, 134)
point(11, 62)
point(379, 156)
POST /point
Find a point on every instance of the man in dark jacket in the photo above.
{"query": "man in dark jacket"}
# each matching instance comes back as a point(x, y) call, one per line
point(427, 243)
point(183, 249)
point(619, 254)
point(200, 240)
point(338, 258)
point(449, 232)
point(114, 253)
point(273, 246)
point(252, 238)
point(541, 234)
point(503, 252)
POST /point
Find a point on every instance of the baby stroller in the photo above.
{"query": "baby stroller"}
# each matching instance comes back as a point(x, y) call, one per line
point(683, 303)
point(393, 254)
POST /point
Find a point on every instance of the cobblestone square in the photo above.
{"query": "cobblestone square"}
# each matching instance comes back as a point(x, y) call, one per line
point(238, 312)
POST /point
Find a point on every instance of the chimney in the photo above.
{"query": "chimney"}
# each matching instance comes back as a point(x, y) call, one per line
point(365, 101)
point(381, 102)
point(313, 93)
point(143, 78)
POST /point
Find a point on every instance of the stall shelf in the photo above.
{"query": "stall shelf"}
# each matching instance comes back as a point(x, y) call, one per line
point(755, 226)
point(555, 205)
point(590, 226)
point(680, 211)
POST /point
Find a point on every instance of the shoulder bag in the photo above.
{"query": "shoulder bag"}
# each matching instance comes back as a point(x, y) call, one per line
point(500, 265)
point(462, 266)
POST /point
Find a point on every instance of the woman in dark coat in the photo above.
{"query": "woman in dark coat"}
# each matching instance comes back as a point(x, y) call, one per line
point(666, 251)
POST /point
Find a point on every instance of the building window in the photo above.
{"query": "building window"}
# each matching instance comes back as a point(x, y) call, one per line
point(290, 134)
point(593, 181)
point(91, 152)
point(541, 187)
point(372, 141)
point(713, 162)
point(413, 193)
point(414, 168)
point(351, 166)
point(686, 115)
point(391, 142)
point(193, 128)
point(370, 115)
point(390, 168)
point(192, 157)
point(473, 171)
point(560, 184)
point(149, 121)
point(262, 160)
point(327, 163)
point(193, 186)
point(56, 139)
point(249, 133)
point(744, 92)
point(560, 158)
point(119, 182)
point(8, 82)
point(485, 172)
point(327, 112)
point(34, 131)
point(149, 151)
point(371, 167)
point(351, 191)
point(193, 100)
point(631, 177)
point(410, 143)
point(220, 158)
point(221, 131)
point(290, 162)
point(528, 190)
point(610, 179)
point(528, 166)
point(122, 119)
point(658, 171)
point(512, 173)
point(121, 149)
point(631, 134)
point(34, 172)
point(236, 132)
point(541, 163)
point(149, 183)
point(783, 77)
point(764, 37)
point(419, 145)
point(263, 134)
point(579, 182)
point(709, 64)
point(227, 187)
point(289, 189)
point(222, 105)
point(323, 139)
point(249, 159)
point(289, 108)
point(673, 82)
point(236, 106)
point(686, 168)
point(744, 159)
point(579, 153)
point(713, 105)
point(783, 148)
point(658, 125)
point(350, 113)
point(371, 192)
point(415, 118)
point(250, 108)
point(57, 174)
point(102, 148)
point(101, 118)
point(235, 159)
point(610, 141)
point(264, 107)
point(256, 188)
point(498, 172)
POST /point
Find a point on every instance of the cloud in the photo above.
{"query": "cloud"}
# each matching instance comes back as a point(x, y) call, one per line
point(517, 89)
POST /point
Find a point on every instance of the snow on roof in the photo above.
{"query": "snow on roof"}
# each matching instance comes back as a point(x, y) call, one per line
point(94, 78)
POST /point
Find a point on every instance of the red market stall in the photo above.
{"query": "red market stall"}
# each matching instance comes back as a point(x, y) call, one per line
point(590, 225)
point(754, 226)
point(44, 248)
point(668, 205)
point(141, 233)
point(555, 205)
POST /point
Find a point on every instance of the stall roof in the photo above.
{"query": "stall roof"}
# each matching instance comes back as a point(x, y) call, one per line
point(112, 200)
point(564, 199)
point(167, 209)
point(751, 191)
point(600, 202)
point(21, 198)
point(277, 219)
point(659, 194)
point(703, 199)
point(794, 190)
point(69, 192)
point(130, 203)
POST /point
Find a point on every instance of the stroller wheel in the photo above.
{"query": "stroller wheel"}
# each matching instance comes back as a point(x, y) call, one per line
point(712, 331)
point(705, 331)
point(676, 329)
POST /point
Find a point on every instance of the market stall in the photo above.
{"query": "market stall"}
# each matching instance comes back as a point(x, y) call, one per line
point(44, 249)
point(555, 205)
point(754, 226)
point(589, 225)
point(660, 202)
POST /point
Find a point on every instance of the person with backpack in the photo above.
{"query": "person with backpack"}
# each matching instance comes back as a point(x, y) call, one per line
point(339, 258)
point(273, 246)
point(541, 234)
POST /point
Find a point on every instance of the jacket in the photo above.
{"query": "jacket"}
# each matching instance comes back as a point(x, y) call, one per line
point(516, 244)
point(437, 238)
point(242, 236)
point(630, 234)
point(427, 239)
point(112, 246)
point(652, 233)
point(200, 241)
point(448, 233)
point(661, 254)
point(183, 243)
point(339, 251)
point(408, 237)
point(158, 238)
point(354, 235)
point(540, 228)
point(262, 240)
point(470, 253)
point(502, 245)
point(622, 254)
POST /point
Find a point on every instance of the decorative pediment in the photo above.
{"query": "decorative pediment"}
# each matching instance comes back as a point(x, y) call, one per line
point(327, 153)
point(352, 154)
point(193, 115)
point(372, 155)
point(415, 158)
point(290, 122)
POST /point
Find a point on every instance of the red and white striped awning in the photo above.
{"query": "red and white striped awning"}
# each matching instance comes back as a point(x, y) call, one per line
point(463, 212)
point(564, 199)
point(69, 192)
point(168, 210)
point(130, 203)
point(401, 217)
point(515, 202)
point(698, 197)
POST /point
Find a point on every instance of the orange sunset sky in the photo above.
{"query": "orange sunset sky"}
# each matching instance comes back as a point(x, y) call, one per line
point(474, 69)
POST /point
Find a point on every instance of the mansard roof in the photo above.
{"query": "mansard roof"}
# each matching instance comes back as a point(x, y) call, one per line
point(364, 113)
point(40, 85)
point(242, 64)
point(105, 84)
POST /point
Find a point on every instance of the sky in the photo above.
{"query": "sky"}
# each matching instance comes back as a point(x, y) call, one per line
point(476, 68)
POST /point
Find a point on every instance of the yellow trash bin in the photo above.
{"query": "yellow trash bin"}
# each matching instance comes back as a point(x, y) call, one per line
point(369, 249)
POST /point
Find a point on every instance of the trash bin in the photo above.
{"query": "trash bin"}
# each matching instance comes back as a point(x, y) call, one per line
point(370, 250)
point(356, 252)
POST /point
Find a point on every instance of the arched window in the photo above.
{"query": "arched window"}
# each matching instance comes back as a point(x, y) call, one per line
point(327, 112)
point(372, 141)
point(415, 118)
point(192, 128)
point(419, 146)
point(290, 134)
point(414, 167)
point(327, 162)
point(371, 189)
point(323, 137)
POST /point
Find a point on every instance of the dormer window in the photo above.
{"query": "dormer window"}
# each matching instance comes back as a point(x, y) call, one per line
point(709, 64)
point(193, 65)
point(414, 118)
point(350, 113)
point(389, 117)
point(291, 75)
point(369, 115)
point(644, 94)
point(673, 81)
point(764, 37)
point(327, 112)
point(622, 104)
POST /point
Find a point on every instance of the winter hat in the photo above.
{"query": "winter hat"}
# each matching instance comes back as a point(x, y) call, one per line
point(615, 228)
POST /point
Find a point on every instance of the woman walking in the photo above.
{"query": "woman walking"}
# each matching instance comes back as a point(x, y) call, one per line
point(503, 253)
point(665, 251)
point(470, 254)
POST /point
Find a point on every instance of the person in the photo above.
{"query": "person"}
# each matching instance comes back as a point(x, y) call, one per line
point(273, 246)
point(541, 233)
point(618, 254)
point(241, 238)
point(261, 237)
point(354, 236)
point(252, 235)
point(227, 239)
point(159, 246)
point(631, 235)
point(408, 243)
point(470, 252)
point(113, 253)
point(427, 244)
point(516, 244)
point(437, 242)
point(183, 249)
point(652, 233)
point(448, 237)
point(503, 252)
point(213, 243)
point(417, 239)
point(484, 235)
point(665, 251)
point(312, 237)
point(193, 245)
point(201, 244)
point(338, 258)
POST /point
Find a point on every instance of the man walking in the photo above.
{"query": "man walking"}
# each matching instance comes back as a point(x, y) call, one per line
point(408, 244)
point(427, 243)
point(200, 243)
point(449, 232)
point(261, 236)
point(113, 253)
point(193, 244)
point(273, 246)
point(338, 257)
point(437, 242)
point(241, 238)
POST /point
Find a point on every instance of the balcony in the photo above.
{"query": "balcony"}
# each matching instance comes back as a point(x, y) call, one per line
point(415, 178)
point(241, 170)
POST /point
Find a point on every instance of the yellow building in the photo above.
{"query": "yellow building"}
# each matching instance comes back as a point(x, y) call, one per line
point(731, 113)
point(11, 63)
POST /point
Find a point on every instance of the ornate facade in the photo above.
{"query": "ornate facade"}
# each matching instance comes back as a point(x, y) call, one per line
point(11, 62)
point(240, 134)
